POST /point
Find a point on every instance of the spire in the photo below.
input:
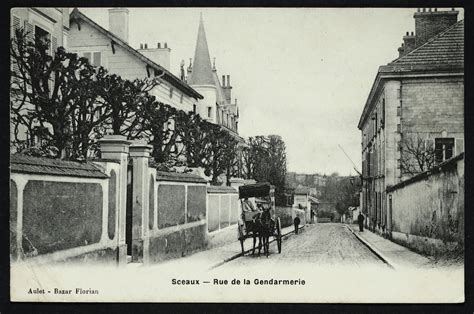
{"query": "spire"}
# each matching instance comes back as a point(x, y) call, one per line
point(202, 68)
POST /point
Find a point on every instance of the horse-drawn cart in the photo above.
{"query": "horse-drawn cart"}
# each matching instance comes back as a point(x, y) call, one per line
point(258, 219)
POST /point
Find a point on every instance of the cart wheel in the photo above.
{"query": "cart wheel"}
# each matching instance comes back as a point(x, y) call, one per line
point(241, 237)
point(278, 227)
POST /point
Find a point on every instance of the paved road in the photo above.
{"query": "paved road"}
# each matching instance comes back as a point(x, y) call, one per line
point(318, 245)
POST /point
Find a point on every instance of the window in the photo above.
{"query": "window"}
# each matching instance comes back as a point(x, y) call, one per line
point(16, 23)
point(399, 128)
point(44, 36)
point(194, 108)
point(443, 149)
point(181, 99)
point(209, 112)
point(171, 92)
point(95, 58)
point(399, 111)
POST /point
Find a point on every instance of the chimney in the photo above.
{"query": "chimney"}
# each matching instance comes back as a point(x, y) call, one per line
point(430, 23)
point(227, 89)
point(159, 55)
point(408, 44)
point(118, 23)
point(401, 50)
point(181, 66)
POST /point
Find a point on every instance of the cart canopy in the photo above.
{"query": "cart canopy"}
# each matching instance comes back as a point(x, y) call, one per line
point(255, 190)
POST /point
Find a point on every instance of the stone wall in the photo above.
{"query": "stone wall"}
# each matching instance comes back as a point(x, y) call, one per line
point(180, 211)
point(428, 209)
point(58, 218)
point(223, 207)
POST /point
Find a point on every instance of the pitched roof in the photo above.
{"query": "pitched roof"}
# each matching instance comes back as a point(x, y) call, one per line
point(443, 53)
point(444, 49)
point(38, 165)
point(168, 76)
point(202, 69)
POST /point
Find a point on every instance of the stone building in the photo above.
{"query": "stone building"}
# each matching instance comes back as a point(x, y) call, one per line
point(217, 105)
point(417, 98)
point(110, 49)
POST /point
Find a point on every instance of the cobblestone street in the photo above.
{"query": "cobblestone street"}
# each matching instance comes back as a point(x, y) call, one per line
point(318, 245)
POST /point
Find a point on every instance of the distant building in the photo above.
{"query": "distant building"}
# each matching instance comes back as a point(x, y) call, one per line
point(315, 182)
point(417, 97)
point(217, 105)
point(110, 49)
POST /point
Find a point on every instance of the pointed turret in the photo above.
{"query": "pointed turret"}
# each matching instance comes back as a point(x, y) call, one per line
point(202, 69)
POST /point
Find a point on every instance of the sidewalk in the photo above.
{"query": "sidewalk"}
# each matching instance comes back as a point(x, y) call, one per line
point(394, 254)
point(217, 256)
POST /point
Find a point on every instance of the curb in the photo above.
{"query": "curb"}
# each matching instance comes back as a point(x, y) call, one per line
point(372, 248)
point(247, 251)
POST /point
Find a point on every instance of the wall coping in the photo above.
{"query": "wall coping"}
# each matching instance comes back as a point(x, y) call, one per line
point(448, 164)
point(213, 189)
point(46, 166)
point(179, 177)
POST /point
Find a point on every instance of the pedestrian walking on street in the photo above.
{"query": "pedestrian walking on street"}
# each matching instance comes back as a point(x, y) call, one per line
point(360, 220)
point(296, 221)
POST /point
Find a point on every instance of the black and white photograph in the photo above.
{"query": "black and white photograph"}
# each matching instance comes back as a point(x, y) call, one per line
point(206, 154)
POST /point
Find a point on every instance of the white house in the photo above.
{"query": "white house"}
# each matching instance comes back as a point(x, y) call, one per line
point(110, 49)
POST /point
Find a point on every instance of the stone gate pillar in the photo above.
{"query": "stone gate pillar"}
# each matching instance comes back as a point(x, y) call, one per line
point(140, 153)
point(115, 147)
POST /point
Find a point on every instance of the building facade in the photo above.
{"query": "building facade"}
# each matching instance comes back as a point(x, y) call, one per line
point(413, 117)
point(110, 49)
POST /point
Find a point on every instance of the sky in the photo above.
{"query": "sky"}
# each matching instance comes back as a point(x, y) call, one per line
point(301, 73)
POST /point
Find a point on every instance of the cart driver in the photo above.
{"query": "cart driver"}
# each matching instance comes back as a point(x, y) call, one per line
point(247, 206)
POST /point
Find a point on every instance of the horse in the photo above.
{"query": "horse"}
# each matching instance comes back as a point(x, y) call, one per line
point(254, 228)
point(266, 225)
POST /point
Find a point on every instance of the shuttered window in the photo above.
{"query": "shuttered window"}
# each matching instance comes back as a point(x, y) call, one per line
point(16, 23)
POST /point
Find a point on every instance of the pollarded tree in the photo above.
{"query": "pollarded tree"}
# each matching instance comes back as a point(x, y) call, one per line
point(47, 89)
point(124, 102)
point(159, 125)
point(220, 152)
point(266, 161)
